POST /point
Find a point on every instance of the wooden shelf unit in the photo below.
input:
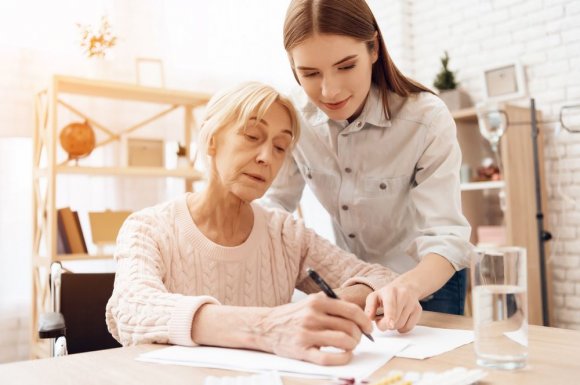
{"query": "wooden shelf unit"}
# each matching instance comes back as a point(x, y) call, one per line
point(128, 171)
point(518, 185)
point(478, 186)
point(46, 167)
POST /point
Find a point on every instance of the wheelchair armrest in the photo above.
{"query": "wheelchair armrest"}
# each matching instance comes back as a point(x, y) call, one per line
point(51, 325)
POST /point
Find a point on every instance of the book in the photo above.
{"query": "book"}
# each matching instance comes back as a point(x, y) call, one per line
point(70, 232)
point(62, 243)
point(80, 232)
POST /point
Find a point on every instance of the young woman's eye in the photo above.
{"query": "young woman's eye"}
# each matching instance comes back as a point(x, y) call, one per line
point(348, 67)
point(251, 138)
point(309, 74)
point(280, 149)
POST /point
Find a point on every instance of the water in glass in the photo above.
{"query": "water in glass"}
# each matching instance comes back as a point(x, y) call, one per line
point(500, 323)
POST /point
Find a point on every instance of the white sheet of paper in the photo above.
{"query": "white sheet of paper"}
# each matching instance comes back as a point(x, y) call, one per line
point(425, 341)
point(266, 378)
point(368, 357)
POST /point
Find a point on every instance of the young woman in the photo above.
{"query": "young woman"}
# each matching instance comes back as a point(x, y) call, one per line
point(214, 268)
point(380, 153)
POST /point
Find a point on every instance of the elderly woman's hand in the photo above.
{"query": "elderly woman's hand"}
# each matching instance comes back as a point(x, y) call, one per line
point(299, 330)
point(400, 304)
point(356, 294)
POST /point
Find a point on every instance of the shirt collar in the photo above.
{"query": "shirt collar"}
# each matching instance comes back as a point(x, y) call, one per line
point(372, 113)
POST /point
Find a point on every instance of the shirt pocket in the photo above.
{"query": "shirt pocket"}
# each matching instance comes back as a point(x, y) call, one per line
point(377, 187)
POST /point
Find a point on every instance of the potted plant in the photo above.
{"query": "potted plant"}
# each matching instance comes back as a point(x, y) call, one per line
point(97, 42)
point(445, 82)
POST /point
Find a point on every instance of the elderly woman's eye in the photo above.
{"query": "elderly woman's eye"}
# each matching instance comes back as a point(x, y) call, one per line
point(309, 74)
point(251, 137)
point(280, 149)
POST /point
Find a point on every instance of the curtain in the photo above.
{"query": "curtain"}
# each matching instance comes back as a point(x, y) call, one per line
point(15, 247)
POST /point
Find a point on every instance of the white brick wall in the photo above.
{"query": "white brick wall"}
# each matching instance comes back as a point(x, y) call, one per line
point(545, 36)
point(394, 20)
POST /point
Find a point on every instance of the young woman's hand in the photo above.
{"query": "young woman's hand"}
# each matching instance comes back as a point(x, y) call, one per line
point(401, 308)
point(299, 330)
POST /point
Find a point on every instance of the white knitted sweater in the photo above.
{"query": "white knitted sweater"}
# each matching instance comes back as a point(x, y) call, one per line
point(167, 269)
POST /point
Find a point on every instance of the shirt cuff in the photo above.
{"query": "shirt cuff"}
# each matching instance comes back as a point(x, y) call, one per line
point(182, 318)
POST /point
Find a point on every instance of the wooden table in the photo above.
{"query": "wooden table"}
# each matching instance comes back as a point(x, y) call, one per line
point(554, 358)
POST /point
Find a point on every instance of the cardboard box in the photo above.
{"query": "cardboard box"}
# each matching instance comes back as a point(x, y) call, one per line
point(491, 236)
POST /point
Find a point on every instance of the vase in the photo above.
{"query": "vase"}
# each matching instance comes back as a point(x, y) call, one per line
point(97, 68)
point(455, 99)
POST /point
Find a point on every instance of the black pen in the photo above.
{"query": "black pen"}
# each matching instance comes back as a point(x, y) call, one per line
point(328, 291)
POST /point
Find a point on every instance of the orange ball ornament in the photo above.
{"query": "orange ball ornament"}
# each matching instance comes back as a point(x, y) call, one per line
point(78, 139)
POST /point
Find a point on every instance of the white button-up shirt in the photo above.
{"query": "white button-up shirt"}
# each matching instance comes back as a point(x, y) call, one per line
point(391, 186)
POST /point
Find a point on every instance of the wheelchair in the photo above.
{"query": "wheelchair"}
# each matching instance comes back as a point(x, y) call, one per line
point(76, 322)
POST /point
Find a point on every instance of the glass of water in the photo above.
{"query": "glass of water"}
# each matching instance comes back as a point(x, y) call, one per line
point(500, 307)
point(492, 122)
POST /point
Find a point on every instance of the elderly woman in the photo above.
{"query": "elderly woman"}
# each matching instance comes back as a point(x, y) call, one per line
point(214, 268)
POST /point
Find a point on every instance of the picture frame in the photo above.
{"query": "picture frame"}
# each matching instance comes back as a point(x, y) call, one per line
point(504, 81)
point(150, 72)
point(143, 152)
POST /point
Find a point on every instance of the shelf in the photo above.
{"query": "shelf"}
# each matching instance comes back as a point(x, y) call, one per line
point(72, 259)
point(476, 186)
point(104, 264)
point(127, 171)
point(82, 257)
point(48, 164)
point(116, 90)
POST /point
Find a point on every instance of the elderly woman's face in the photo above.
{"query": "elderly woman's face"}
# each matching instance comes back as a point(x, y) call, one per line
point(246, 161)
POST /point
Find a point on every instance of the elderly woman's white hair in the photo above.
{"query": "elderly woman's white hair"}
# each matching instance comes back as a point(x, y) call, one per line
point(235, 107)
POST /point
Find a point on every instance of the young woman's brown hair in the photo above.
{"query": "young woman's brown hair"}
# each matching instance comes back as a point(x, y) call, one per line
point(351, 18)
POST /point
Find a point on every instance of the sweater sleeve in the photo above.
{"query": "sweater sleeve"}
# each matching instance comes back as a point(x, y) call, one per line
point(338, 267)
point(141, 309)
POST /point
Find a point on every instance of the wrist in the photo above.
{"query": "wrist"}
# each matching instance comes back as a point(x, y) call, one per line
point(356, 293)
point(231, 326)
point(410, 284)
point(259, 328)
point(427, 277)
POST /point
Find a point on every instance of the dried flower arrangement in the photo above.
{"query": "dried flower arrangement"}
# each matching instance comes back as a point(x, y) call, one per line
point(97, 42)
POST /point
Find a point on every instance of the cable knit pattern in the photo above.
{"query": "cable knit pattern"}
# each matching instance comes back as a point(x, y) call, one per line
point(167, 269)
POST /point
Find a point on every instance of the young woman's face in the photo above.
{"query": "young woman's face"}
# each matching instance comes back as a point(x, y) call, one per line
point(335, 72)
point(245, 162)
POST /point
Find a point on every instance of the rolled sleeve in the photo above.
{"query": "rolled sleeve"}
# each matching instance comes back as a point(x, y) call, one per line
point(442, 227)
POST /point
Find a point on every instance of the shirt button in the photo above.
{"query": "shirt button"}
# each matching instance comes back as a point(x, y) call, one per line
point(345, 207)
point(309, 176)
point(358, 124)
point(383, 186)
point(348, 170)
point(351, 235)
